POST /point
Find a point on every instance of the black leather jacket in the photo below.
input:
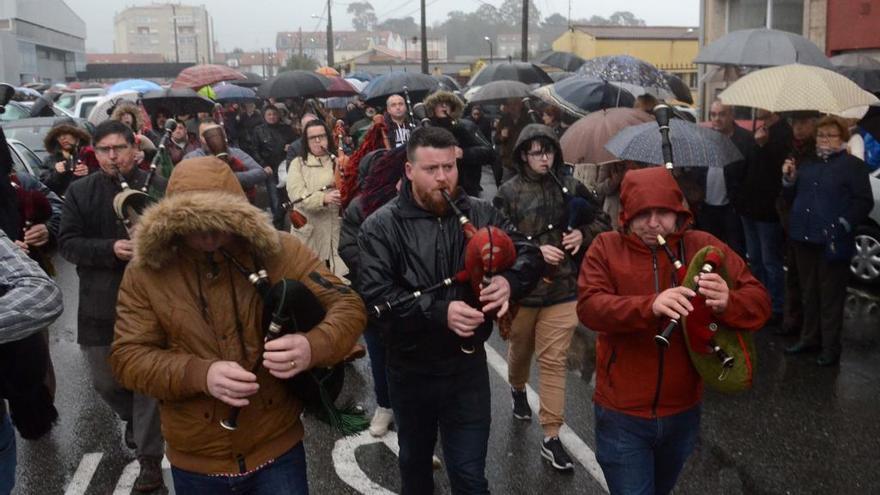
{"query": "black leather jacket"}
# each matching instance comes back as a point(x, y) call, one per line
point(405, 248)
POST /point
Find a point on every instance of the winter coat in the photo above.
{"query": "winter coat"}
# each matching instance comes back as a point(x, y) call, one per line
point(405, 248)
point(823, 193)
point(761, 179)
point(348, 236)
point(180, 311)
point(321, 233)
point(398, 134)
point(619, 280)
point(246, 125)
point(269, 142)
point(89, 228)
point(59, 182)
point(476, 150)
point(532, 202)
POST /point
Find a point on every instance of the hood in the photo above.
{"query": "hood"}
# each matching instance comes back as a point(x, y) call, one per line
point(652, 187)
point(533, 131)
point(131, 108)
point(456, 106)
point(50, 142)
point(202, 195)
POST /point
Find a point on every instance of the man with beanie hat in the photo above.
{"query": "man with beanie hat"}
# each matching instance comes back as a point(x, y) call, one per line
point(647, 404)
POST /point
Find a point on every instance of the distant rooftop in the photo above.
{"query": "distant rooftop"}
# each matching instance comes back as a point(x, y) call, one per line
point(639, 32)
point(124, 58)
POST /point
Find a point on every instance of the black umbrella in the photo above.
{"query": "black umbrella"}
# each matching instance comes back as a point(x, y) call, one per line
point(581, 95)
point(253, 80)
point(418, 86)
point(562, 60)
point(177, 101)
point(523, 72)
point(680, 90)
point(498, 91)
point(871, 122)
point(447, 83)
point(867, 79)
point(626, 69)
point(294, 84)
point(558, 76)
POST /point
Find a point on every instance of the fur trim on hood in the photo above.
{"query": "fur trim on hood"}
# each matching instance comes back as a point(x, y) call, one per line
point(203, 195)
point(130, 108)
point(50, 142)
point(456, 106)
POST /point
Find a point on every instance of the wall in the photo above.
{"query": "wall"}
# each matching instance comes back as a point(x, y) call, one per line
point(853, 25)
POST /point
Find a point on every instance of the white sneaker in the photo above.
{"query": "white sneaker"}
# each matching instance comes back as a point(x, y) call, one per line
point(382, 418)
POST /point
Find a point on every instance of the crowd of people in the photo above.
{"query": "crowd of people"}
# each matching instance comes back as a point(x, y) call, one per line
point(175, 301)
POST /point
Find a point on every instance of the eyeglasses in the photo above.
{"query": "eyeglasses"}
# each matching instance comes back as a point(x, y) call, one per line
point(105, 150)
point(318, 137)
point(827, 136)
point(539, 154)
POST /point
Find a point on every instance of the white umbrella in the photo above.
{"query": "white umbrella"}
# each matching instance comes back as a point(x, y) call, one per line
point(105, 105)
point(796, 87)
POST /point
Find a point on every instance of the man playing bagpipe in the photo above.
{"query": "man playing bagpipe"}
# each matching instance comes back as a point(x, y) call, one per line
point(436, 362)
point(557, 211)
point(190, 332)
point(647, 402)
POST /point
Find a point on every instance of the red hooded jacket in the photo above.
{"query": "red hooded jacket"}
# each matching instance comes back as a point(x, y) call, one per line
point(619, 280)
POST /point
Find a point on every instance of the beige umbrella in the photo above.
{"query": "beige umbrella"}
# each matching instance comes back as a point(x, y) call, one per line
point(796, 87)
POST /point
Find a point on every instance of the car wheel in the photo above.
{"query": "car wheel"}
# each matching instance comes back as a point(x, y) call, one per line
point(865, 264)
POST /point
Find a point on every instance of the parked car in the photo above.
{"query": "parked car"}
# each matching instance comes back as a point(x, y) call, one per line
point(865, 265)
point(16, 110)
point(31, 131)
point(69, 101)
point(85, 105)
point(24, 160)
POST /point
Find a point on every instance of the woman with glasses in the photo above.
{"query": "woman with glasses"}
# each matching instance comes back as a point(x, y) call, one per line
point(831, 197)
point(310, 176)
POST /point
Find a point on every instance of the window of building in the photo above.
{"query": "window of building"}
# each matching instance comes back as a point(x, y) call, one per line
point(788, 15)
point(143, 30)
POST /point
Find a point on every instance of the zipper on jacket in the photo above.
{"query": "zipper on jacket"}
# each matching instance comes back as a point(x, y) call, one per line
point(660, 353)
point(611, 361)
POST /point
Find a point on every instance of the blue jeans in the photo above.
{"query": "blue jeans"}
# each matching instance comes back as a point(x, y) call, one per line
point(764, 242)
point(644, 456)
point(459, 405)
point(376, 349)
point(7, 455)
point(286, 475)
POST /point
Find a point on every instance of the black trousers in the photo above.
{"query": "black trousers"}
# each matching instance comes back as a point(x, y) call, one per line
point(823, 294)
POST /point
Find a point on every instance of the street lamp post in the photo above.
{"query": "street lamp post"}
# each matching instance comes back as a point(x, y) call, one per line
point(491, 49)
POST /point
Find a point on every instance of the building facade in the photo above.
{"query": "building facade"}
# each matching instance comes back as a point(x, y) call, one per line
point(357, 46)
point(180, 33)
point(40, 41)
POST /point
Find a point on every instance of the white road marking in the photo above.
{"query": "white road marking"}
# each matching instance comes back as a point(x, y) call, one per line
point(572, 442)
point(346, 465)
point(83, 475)
point(126, 479)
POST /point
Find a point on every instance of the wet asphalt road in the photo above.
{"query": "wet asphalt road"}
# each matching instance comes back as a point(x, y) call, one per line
point(802, 429)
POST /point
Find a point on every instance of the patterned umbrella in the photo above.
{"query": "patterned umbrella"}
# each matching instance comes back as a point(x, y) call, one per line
point(626, 69)
point(762, 48)
point(581, 95)
point(562, 60)
point(104, 107)
point(795, 87)
point(205, 75)
point(523, 72)
point(558, 76)
point(692, 145)
point(584, 141)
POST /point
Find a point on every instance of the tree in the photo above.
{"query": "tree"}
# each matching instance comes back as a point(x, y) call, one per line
point(511, 14)
point(624, 18)
point(405, 26)
point(363, 16)
point(300, 62)
point(556, 19)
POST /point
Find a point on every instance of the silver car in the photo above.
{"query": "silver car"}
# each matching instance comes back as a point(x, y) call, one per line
point(865, 263)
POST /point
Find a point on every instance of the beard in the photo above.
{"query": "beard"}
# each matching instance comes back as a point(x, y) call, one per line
point(434, 202)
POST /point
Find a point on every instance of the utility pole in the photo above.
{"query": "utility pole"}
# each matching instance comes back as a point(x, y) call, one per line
point(176, 46)
point(424, 41)
point(525, 31)
point(300, 42)
point(329, 36)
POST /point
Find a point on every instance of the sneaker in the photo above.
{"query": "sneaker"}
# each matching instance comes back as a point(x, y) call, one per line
point(553, 451)
point(150, 477)
point(521, 409)
point(382, 419)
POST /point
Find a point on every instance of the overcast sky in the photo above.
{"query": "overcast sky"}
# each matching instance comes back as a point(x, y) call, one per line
point(252, 24)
